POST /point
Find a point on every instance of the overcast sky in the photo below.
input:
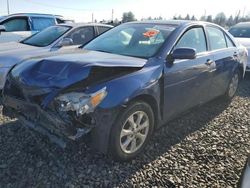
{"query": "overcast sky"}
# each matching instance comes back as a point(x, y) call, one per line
point(81, 10)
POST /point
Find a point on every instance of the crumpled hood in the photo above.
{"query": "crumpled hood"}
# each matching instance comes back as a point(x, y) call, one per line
point(244, 41)
point(64, 70)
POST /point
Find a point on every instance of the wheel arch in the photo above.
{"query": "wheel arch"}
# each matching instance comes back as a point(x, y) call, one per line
point(152, 102)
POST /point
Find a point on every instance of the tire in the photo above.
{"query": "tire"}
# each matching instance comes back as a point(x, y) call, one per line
point(128, 139)
point(233, 85)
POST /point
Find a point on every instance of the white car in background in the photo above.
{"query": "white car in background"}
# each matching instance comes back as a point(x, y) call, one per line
point(241, 33)
point(16, 27)
point(49, 40)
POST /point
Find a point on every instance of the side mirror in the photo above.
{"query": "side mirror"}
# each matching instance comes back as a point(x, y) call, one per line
point(2, 28)
point(65, 42)
point(184, 53)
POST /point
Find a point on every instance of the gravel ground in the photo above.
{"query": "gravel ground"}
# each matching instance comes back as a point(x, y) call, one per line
point(206, 147)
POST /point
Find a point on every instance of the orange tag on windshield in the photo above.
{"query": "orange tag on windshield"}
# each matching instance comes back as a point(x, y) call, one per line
point(151, 33)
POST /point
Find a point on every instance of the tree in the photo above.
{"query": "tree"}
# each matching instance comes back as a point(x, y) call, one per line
point(187, 17)
point(193, 18)
point(230, 21)
point(220, 19)
point(203, 18)
point(128, 17)
point(174, 17)
point(209, 18)
point(150, 18)
point(179, 18)
point(160, 18)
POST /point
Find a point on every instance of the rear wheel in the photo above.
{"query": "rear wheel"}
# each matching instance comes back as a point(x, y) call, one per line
point(233, 85)
point(131, 132)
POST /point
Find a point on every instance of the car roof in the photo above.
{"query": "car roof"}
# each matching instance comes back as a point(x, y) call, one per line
point(175, 23)
point(242, 24)
point(85, 24)
point(34, 14)
point(167, 22)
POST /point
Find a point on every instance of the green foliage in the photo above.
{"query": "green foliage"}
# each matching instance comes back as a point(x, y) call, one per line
point(128, 17)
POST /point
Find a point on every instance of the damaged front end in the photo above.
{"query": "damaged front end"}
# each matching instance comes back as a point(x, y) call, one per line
point(68, 116)
point(66, 99)
point(76, 107)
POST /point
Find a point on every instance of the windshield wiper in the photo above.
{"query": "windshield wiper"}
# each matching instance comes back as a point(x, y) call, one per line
point(103, 51)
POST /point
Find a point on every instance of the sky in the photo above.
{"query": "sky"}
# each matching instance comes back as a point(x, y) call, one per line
point(82, 10)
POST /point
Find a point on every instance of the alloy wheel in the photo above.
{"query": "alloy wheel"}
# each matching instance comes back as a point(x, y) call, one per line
point(134, 132)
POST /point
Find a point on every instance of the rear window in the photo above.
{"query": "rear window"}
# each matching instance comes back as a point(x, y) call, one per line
point(243, 32)
point(216, 38)
point(40, 23)
point(102, 29)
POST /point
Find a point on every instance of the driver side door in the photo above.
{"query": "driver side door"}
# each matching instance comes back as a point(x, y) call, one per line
point(187, 81)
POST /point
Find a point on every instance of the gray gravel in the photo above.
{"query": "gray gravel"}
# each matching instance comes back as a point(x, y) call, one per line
point(206, 147)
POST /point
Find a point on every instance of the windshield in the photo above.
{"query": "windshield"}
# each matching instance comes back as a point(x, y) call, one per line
point(47, 36)
point(137, 40)
point(243, 32)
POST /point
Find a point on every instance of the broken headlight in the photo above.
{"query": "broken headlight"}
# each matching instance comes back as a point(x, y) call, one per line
point(79, 102)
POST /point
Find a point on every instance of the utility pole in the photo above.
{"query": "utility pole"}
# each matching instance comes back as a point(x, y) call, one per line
point(8, 7)
point(92, 17)
point(112, 17)
point(243, 15)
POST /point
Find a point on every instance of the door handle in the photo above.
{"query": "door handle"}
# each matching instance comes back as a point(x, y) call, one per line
point(209, 62)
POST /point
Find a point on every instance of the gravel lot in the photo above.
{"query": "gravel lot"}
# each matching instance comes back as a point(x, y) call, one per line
point(206, 147)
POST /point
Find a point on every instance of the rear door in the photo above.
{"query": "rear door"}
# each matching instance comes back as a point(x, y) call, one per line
point(187, 82)
point(225, 55)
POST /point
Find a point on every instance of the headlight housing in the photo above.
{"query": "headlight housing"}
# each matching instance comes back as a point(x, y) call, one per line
point(81, 103)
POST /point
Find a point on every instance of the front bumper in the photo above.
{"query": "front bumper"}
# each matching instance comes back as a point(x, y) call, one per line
point(56, 129)
point(46, 122)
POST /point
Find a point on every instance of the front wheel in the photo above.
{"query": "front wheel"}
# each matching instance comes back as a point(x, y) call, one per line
point(131, 132)
point(233, 85)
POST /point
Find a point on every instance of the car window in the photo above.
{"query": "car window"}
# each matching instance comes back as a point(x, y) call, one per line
point(16, 24)
point(193, 38)
point(40, 23)
point(102, 29)
point(137, 40)
point(47, 36)
point(81, 36)
point(216, 38)
point(60, 21)
point(229, 42)
point(243, 32)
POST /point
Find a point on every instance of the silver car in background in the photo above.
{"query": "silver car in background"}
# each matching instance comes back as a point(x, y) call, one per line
point(49, 40)
point(241, 33)
point(16, 27)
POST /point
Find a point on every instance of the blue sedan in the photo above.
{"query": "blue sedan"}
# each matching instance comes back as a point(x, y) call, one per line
point(124, 84)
